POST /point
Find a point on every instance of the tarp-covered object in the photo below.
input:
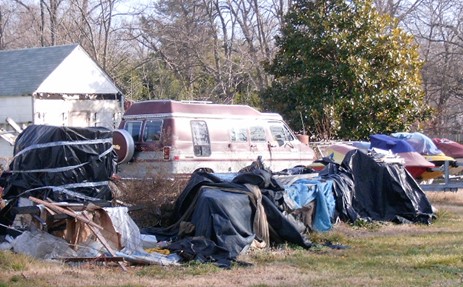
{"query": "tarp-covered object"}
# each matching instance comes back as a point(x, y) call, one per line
point(420, 142)
point(224, 217)
point(449, 147)
point(387, 192)
point(415, 163)
point(304, 191)
point(63, 163)
point(338, 151)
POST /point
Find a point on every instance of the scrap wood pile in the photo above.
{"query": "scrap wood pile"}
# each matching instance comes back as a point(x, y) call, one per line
point(216, 217)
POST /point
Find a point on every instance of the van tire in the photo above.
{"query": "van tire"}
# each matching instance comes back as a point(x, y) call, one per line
point(124, 145)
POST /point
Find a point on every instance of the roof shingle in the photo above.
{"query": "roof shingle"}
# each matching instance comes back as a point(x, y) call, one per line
point(22, 71)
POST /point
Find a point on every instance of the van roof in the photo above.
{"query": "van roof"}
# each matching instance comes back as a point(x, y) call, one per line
point(154, 107)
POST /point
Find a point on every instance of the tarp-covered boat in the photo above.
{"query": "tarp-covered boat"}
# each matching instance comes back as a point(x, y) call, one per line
point(452, 149)
point(415, 163)
point(428, 149)
point(338, 151)
point(449, 147)
point(385, 193)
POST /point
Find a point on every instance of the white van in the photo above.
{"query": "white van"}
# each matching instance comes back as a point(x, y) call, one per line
point(173, 137)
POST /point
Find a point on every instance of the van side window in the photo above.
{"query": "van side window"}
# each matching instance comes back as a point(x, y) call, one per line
point(201, 142)
point(134, 128)
point(152, 131)
point(238, 134)
point(280, 132)
point(257, 134)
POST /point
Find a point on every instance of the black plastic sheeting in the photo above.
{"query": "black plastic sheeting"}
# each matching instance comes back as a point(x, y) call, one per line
point(369, 190)
point(222, 213)
point(214, 216)
point(62, 163)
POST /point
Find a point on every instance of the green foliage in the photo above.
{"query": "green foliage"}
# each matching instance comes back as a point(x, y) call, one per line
point(364, 224)
point(347, 70)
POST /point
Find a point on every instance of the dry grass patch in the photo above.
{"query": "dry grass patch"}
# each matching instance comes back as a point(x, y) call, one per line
point(446, 197)
point(382, 254)
point(151, 200)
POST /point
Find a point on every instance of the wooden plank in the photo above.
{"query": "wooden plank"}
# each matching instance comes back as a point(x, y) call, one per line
point(65, 211)
point(90, 259)
point(95, 228)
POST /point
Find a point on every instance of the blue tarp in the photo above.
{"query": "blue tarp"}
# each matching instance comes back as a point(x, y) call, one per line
point(303, 191)
point(386, 142)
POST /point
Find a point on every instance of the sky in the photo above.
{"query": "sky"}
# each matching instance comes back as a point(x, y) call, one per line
point(126, 6)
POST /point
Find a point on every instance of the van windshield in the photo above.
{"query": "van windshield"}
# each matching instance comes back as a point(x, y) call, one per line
point(280, 132)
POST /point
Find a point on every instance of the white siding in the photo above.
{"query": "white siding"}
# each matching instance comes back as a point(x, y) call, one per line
point(103, 113)
point(20, 110)
point(6, 152)
point(17, 108)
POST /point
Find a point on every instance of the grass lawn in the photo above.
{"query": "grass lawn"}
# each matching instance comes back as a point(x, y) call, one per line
point(379, 254)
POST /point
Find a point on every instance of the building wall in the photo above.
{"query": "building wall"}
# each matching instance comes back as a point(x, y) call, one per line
point(17, 108)
point(58, 112)
point(78, 113)
point(6, 153)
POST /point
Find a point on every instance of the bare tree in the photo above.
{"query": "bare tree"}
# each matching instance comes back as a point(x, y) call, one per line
point(2, 25)
point(437, 26)
point(215, 48)
point(399, 9)
point(48, 18)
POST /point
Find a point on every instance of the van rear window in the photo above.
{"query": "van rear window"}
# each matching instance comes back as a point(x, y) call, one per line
point(152, 131)
point(201, 141)
point(134, 128)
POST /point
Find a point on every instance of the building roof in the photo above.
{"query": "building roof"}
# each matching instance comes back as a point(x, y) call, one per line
point(65, 69)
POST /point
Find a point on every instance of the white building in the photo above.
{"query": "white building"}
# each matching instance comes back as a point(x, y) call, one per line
point(59, 85)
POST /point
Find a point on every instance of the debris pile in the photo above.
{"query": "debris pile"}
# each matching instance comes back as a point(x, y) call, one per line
point(59, 197)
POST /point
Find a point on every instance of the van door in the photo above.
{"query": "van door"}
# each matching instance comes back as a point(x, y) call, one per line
point(259, 144)
point(134, 128)
point(146, 135)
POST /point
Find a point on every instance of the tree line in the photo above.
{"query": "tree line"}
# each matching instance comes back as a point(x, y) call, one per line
point(335, 69)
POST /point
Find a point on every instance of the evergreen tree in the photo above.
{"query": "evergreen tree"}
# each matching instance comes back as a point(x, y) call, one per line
point(346, 70)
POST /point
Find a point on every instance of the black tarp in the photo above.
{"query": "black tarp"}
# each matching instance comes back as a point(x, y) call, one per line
point(62, 163)
point(370, 190)
point(224, 213)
